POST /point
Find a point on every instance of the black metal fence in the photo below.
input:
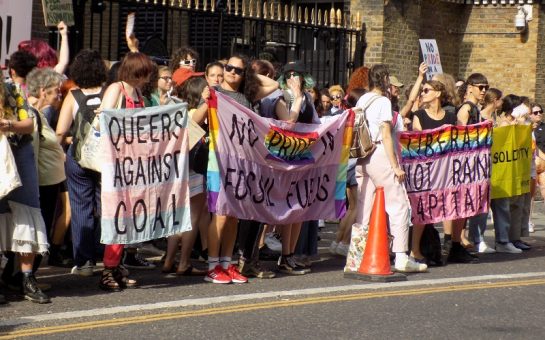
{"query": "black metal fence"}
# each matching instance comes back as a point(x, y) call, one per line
point(329, 41)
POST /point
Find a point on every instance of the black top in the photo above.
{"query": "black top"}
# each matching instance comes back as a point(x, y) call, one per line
point(539, 133)
point(474, 113)
point(426, 122)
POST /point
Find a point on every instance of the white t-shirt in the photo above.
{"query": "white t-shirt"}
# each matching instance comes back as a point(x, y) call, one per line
point(378, 112)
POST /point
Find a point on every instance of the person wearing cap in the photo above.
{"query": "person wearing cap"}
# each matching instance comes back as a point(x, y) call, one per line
point(395, 87)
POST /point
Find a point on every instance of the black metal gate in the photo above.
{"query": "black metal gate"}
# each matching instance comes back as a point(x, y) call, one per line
point(330, 42)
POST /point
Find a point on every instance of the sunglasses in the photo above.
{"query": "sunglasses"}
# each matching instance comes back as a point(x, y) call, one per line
point(539, 112)
point(336, 97)
point(427, 90)
point(191, 62)
point(166, 78)
point(230, 68)
point(291, 74)
point(482, 87)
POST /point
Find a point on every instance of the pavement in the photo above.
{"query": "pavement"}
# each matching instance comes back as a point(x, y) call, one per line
point(500, 297)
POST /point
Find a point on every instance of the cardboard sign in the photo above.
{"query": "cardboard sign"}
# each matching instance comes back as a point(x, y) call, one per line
point(273, 171)
point(56, 11)
point(430, 55)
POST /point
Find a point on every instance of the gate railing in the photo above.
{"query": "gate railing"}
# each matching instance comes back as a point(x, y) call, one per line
point(329, 41)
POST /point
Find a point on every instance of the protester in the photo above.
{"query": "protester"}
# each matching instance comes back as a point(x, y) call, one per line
point(433, 96)
point(89, 73)
point(244, 87)
point(43, 91)
point(45, 54)
point(501, 206)
point(382, 168)
point(337, 100)
point(214, 73)
point(324, 107)
point(20, 217)
point(184, 57)
point(395, 89)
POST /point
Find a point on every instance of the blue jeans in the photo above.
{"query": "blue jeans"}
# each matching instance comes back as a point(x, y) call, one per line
point(477, 227)
point(502, 218)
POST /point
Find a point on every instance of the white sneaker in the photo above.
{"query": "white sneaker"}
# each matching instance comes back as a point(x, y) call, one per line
point(410, 266)
point(531, 228)
point(150, 249)
point(507, 248)
point(333, 247)
point(342, 249)
point(321, 223)
point(85, 270)
point(272, 242)
point(485, 249)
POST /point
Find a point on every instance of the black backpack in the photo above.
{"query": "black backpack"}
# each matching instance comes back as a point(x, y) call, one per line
point(84, 117)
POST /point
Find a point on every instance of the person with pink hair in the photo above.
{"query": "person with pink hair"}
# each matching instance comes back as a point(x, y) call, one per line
point(46, 55)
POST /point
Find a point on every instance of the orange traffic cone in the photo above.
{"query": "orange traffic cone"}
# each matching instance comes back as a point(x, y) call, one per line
point(375, 265)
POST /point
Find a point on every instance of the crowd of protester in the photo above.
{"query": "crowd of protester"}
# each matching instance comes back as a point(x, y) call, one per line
point(56, 211)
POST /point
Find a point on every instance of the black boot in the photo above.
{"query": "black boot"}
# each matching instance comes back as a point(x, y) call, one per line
point(2, 299)
point(31, 290)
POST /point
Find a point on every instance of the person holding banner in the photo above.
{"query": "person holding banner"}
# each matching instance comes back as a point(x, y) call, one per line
point(244, 86)
point(214, 73)
point(433, 96)
point(382, 168)
point(467, 114)
point(135, 71)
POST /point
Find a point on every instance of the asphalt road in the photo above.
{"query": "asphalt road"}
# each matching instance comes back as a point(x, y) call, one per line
point(501, 297)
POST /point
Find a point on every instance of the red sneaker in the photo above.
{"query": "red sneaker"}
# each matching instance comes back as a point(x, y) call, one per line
point(218, 275)
point(235, 275)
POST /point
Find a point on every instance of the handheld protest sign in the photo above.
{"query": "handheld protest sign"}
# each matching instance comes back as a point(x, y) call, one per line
point(430, 55)
point(56, 11)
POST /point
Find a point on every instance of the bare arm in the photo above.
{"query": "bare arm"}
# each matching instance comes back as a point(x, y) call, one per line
point(422, 69)
point(23, 127)
point(65, 119)
point(201, 112)
point(64, 53)
point(291, 114)
point(267, 86)
point(463, 114)
point(132, 43)
point(111, 96)
point(387, 140)
point(416, 124)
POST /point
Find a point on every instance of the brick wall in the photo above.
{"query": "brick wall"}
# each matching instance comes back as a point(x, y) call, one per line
point(372, 15)
point(492, 46)
point(540, 65)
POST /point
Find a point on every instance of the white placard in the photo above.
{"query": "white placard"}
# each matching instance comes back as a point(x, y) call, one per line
point(430, 55)
point(15, 26)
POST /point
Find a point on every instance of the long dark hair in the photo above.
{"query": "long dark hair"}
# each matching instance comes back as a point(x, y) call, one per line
point(191, 91)
point(378, 78)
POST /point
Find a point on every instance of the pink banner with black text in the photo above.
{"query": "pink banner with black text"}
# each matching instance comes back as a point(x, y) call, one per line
point(447, 171)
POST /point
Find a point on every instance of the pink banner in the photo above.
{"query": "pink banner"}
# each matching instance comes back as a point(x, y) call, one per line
point(447, 171)
point(273, 171)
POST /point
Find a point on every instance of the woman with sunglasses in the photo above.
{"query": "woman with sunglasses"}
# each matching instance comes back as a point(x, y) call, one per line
point(337, 100)
point(467, 114)
point(185, 57)
point(242, 85)
point(382, 169)
point(432, 97)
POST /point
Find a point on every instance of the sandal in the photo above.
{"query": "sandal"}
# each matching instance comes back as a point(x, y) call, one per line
point(123, 280)
point(108, 281)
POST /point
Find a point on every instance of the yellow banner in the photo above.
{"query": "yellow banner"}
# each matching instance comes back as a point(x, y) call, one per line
point(511, 156)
